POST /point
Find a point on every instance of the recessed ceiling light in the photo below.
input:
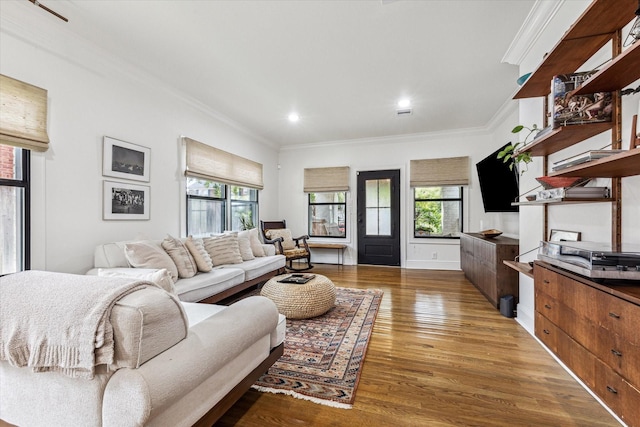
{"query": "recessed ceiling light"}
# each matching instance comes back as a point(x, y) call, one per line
point(293, 117)
point(404, 103)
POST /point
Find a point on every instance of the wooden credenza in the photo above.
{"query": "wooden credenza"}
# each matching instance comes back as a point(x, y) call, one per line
point(481, 260)
point(595, 330)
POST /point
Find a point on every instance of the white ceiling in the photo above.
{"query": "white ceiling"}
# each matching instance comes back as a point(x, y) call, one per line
point(342, 65)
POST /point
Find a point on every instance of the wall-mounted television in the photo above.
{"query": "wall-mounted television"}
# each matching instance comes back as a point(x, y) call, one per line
point(498, 184)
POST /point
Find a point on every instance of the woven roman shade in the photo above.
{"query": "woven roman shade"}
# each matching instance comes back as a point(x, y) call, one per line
point(23, 115)
point(207, 162)
point(439, 172)
point(318, 180)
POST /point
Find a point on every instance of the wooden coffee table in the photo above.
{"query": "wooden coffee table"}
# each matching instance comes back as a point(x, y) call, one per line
point(301, 301)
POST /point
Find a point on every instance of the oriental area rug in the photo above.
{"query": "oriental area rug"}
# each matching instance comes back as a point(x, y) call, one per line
point(323, 356)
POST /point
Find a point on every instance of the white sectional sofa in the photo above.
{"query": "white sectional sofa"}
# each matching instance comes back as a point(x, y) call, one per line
point(175, 363)
point(222, 281)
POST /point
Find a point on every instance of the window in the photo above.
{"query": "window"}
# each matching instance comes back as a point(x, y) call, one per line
point(213, 207)
point(244, 208)
point(14, 209)
point(327, 214)
point(437, 212)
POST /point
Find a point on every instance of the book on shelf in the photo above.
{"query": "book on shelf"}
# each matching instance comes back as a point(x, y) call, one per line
point(569, 109)
point(583, 158)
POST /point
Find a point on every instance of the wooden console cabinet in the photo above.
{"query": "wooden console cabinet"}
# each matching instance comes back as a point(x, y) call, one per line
point(481, 260)
point(595, 330)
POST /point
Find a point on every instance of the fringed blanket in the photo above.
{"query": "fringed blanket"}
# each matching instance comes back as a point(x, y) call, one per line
point(59, 322)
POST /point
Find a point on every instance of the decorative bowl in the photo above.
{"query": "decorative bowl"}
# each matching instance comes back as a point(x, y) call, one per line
point(491, 233)
point(531, 197)
point(549, 182)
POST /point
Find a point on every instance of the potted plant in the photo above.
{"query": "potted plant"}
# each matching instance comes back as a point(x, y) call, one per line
point(510, 151)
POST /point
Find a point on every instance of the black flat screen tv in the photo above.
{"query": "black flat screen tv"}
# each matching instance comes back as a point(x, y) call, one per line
point(498, 184)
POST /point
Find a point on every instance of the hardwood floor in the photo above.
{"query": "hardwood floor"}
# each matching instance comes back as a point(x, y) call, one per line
point(439, 355)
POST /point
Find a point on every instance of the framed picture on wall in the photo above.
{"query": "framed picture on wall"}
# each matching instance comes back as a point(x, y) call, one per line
point(123, 201)
point(564, 236)
point(125, 160)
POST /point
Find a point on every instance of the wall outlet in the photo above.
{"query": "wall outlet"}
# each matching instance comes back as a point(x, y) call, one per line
point(434, 255)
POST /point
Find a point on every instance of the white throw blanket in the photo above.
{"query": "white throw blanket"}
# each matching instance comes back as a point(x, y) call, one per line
point(59, 322)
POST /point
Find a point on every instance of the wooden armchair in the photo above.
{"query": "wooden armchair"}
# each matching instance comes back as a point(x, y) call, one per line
point(293, 248)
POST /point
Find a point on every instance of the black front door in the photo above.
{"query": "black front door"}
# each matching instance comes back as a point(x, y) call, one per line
point(379, 217)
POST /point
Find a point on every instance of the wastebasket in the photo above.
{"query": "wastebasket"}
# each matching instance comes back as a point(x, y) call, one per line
point(506, 306)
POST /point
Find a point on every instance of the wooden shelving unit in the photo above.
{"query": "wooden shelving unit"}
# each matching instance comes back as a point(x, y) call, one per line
point(623, 70)
point(563, 201)
point(521, 267)
point(563, 137)
point(588, 34)
point(600, 24)
point(616, 165)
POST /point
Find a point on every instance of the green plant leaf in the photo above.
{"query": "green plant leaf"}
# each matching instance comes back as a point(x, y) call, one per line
point(517, 129)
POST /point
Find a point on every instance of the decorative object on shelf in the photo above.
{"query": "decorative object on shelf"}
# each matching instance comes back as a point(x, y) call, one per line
point(124, 201)
point(549, 182)
point(569, 109)
point(491, 233)
point(634, 32)
point(564, 236)
point(125, 160)
point(509, 153)
point(523, 78)
point(574, 193)
point(585, 157)
point(531, 197)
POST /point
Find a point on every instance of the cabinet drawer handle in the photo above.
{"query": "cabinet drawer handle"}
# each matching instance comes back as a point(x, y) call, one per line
point(614, 315)
point(546, 331)
point(547, 306)
point(616, 352)
point(546, 281)
point(612, 390)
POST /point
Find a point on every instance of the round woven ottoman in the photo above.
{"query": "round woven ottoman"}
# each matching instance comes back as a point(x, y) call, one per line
point(303, 301)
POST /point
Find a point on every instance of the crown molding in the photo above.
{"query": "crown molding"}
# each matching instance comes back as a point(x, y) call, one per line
point(533, 26)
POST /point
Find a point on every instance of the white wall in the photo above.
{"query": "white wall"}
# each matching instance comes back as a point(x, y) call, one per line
point(91, 94)
point(396, 153)
point(593, 220)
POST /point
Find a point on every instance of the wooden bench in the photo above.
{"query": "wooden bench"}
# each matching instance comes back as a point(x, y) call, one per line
point(339, 246)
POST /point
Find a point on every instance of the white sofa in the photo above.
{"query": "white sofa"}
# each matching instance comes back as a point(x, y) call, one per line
point(210, 287)
point(172, 369)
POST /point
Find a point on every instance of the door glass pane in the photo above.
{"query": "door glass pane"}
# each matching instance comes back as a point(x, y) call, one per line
point(372, 221)
point(11, 229)
point(384, 222)
point(371, 187)
point(384, 191)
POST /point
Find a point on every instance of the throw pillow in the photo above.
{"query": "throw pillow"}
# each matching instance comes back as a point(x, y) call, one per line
point(149, 255)
point(160, 277)
point(223, 249)
point(199, 253)
point(245, 246)
point(181, 257)
point(256, 244)
point(285, 233)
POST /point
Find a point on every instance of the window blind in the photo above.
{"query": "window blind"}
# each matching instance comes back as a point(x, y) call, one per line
point(23, 115)
point(207, 162)
point(318, 180)
point(439, 172)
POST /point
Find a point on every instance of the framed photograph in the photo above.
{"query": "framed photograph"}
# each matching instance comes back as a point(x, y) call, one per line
point(564, 236)
point(123, 201)
point(125, 160)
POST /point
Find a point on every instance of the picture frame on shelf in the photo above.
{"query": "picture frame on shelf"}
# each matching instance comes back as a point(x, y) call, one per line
point(121, 159)
point(124, 201)
point(564, 236)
